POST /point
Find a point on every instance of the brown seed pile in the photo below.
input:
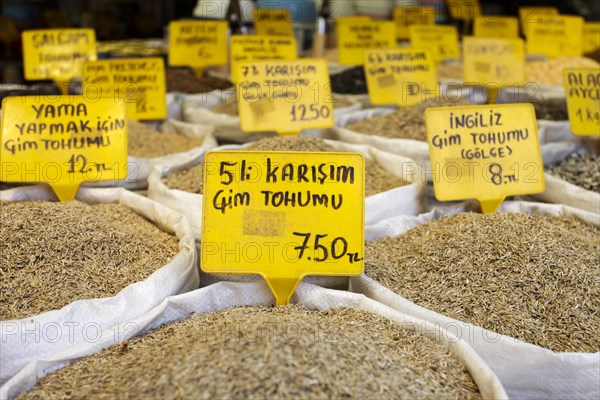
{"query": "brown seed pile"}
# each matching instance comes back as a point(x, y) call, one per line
point(52, 254)
point(552, 109)
point(145, 142)
point(580, 170)
point(377, 179)
point(264, 353)
point(531, 277)
point(405, 123)
point(186, 82)
point(230, 106)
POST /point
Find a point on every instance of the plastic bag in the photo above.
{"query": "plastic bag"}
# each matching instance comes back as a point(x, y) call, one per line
point(80, 324)
point(221, 296)
point(526, 371)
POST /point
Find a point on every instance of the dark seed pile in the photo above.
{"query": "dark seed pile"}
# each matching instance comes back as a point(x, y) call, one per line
point(377, 179)
point(580, 170)
point(186, 82)
point(52, 254)
point(535, 278)
point(553, 110)
point(405, 123)
point(350, 81)
point(265, 353)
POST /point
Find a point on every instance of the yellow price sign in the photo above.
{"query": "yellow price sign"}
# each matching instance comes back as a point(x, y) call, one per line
point(582, 90)
point(529, 16)
point(496, 27)
point(404, 77)
point(465, 10)
point(356, 36)
point(285, 96)
point(63, 143)
point(408, 15)
point(197, 44)
point(484, 152)
point(441, 40)
point(283, 215)
point(273, 22)
point(57, 54)
point(248, 48)
point(556, 36)
point(499, 62)
point(591, 36)
point(137, 82)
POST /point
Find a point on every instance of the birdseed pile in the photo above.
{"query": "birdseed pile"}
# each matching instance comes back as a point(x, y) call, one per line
point(52, 254)
point(406, 123)
point(580, 170)
point(531, 277)
point(145, 142)
point(230, 106)
point(186, 82)
point(264, 353)
point(377, 179)
point(551, 109)
point(549, 72)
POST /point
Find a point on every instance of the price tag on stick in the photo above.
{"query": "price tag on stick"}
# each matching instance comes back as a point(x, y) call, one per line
point(57, 54)
point(465, 10)
point(554, 36)
point(582, 90)
point(249, 48)
point(357, 36)
point(63, 143)
point(197, 44)
point(283, 215)
point(496, 27)
point(442, 41)
point(484, 152)
point(404, 77)
point(137, 82)
point(273, 22)
point(285, 96)
point(408, 15)
point(591, 37)
point(528, 16)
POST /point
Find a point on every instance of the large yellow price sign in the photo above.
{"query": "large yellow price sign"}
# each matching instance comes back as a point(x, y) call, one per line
point(404, 77)
point(283, 215)
point(248, 48)
point(582, 90)
point(408, 15)
point(273, 22)
point(442, 41)
point(465, 10)
point(499, 62)
point(285, 96)
point(529, 16)
point(63, 143)
point(496, 27)
point(591, 36)
point(556, 36)
point(57, 54)
point(197, 44)
point(356, 36)
point(484, 152)
point(137, 82)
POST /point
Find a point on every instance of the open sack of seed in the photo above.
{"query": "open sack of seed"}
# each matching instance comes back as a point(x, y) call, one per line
point(177, 142)
point(572, 175)
point(219, 109)
point(520, 285)
point(72, 271)
point(389, 189)
point(330, 344)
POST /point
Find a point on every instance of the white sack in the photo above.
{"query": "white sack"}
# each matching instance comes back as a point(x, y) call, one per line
point(76, 325)
point(560, 191)
point(197, 109)
point(526, 371)
point(221, 296)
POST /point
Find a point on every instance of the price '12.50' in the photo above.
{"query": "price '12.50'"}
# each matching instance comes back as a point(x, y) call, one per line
point(313, 112)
